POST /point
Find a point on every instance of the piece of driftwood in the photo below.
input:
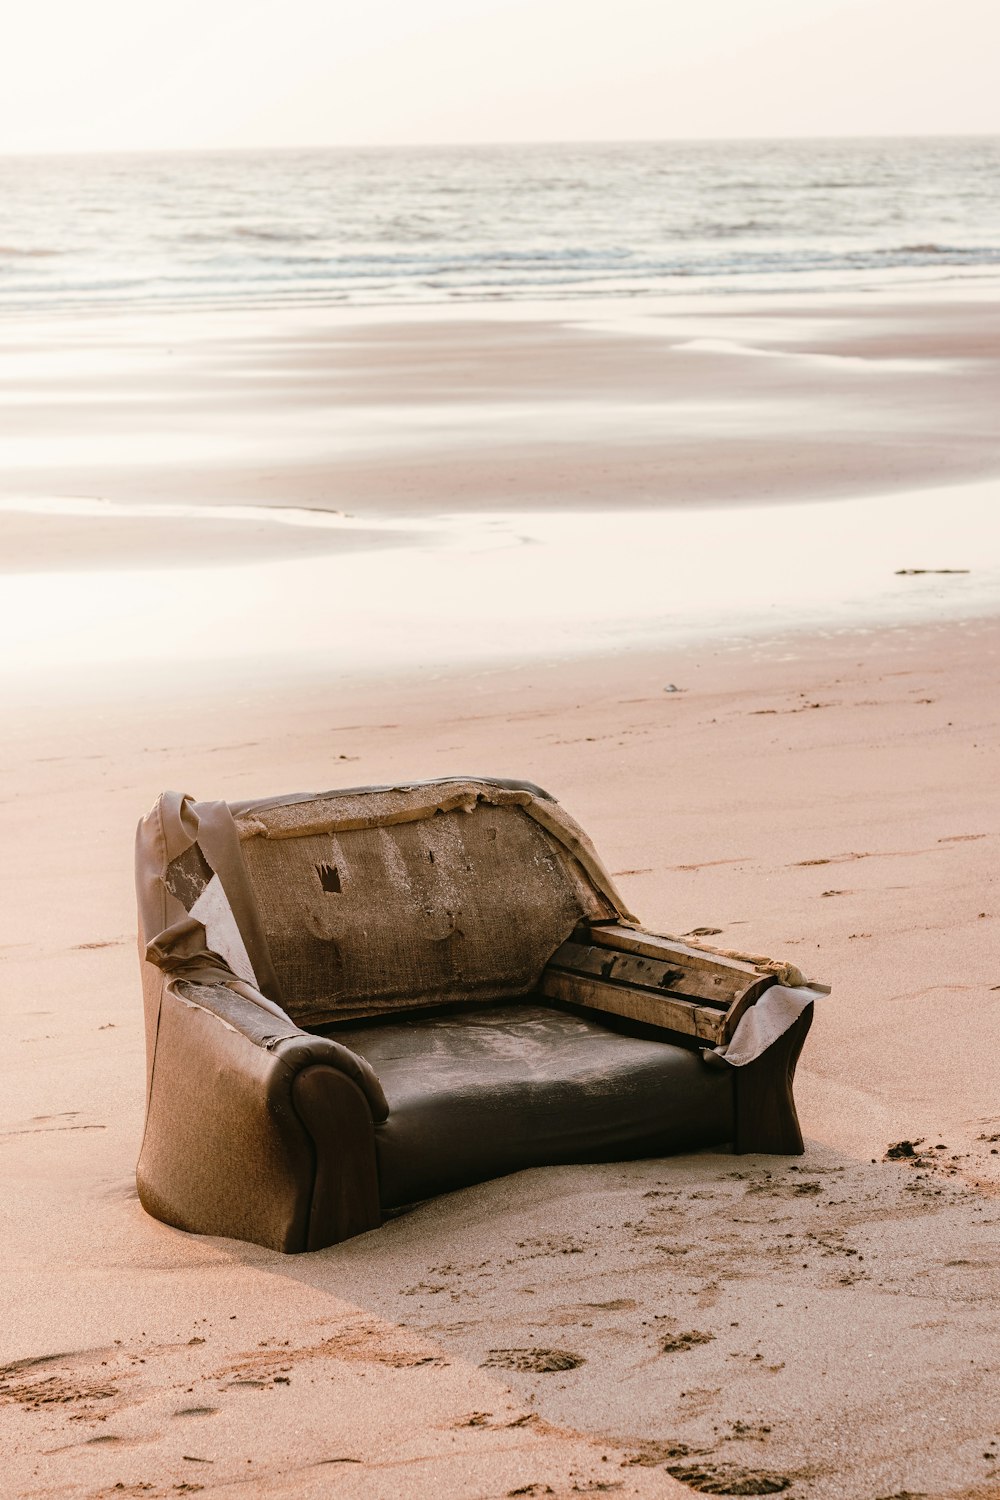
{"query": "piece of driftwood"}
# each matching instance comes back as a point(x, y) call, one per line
point(641, 976)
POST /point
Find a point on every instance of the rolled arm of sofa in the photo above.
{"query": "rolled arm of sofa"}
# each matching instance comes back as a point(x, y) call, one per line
point(254, 1128)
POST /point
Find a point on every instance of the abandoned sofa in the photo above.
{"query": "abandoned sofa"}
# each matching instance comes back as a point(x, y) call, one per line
point(359, 999)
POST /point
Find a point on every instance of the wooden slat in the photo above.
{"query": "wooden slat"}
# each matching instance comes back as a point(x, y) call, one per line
point(708, 985)
point(652, 972)
point(651, 945)
point(670, 1012)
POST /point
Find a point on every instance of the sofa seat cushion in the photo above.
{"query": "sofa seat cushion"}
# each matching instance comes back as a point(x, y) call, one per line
point(481, 1092)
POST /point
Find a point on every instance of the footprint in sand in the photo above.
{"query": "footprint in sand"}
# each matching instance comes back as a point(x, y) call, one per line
point(677, 1343)
point(723, 1479)
point(532, 1361)
point(38, 1392)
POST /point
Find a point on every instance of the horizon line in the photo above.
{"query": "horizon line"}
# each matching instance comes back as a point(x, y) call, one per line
point(31, 153)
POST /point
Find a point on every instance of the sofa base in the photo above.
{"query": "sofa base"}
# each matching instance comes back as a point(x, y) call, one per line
point(486, 1091)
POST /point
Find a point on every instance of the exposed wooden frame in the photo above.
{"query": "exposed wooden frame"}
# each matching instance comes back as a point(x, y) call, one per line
point(641, 976)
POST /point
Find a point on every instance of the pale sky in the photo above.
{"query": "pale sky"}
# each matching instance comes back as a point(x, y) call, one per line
point(164, 74)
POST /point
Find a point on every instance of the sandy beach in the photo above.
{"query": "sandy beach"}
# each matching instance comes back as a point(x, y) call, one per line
point(821, 787)
point(430, 409)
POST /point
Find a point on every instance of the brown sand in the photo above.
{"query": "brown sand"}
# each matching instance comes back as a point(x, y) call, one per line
point(831, 1322)
point(833, 803)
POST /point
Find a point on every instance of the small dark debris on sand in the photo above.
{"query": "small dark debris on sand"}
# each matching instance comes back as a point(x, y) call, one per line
point(919, 572)
point(725, 1480)
point(674, 1343)
point(532, 1361)
point(648, 1455)
point(758, 1431)
point(475, 1419)
point(900, 1149)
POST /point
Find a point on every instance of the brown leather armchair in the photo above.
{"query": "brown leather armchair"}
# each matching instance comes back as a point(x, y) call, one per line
point(359, 999)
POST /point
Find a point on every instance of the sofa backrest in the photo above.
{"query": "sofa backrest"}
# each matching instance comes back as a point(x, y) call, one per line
point(385, 899)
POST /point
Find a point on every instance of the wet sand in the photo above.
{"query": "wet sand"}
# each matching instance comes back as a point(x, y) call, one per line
point(823, 1327)
point(728, 400)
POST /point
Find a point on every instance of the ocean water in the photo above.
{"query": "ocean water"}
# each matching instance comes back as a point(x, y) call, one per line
point(424, 225)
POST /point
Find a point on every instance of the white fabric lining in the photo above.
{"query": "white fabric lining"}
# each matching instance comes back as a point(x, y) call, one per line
point(213, 911)
point(777, 1009)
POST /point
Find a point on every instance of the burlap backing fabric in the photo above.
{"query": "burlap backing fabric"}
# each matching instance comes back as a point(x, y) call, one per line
point(401, 899)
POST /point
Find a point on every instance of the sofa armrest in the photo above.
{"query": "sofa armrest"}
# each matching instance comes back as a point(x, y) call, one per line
point(698, 997)
point(693, 994)
point(765, 1117)
point(255, 1129)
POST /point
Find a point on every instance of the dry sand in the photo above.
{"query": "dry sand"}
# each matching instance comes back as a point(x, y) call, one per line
point(826, 1327)
point(836, 806)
